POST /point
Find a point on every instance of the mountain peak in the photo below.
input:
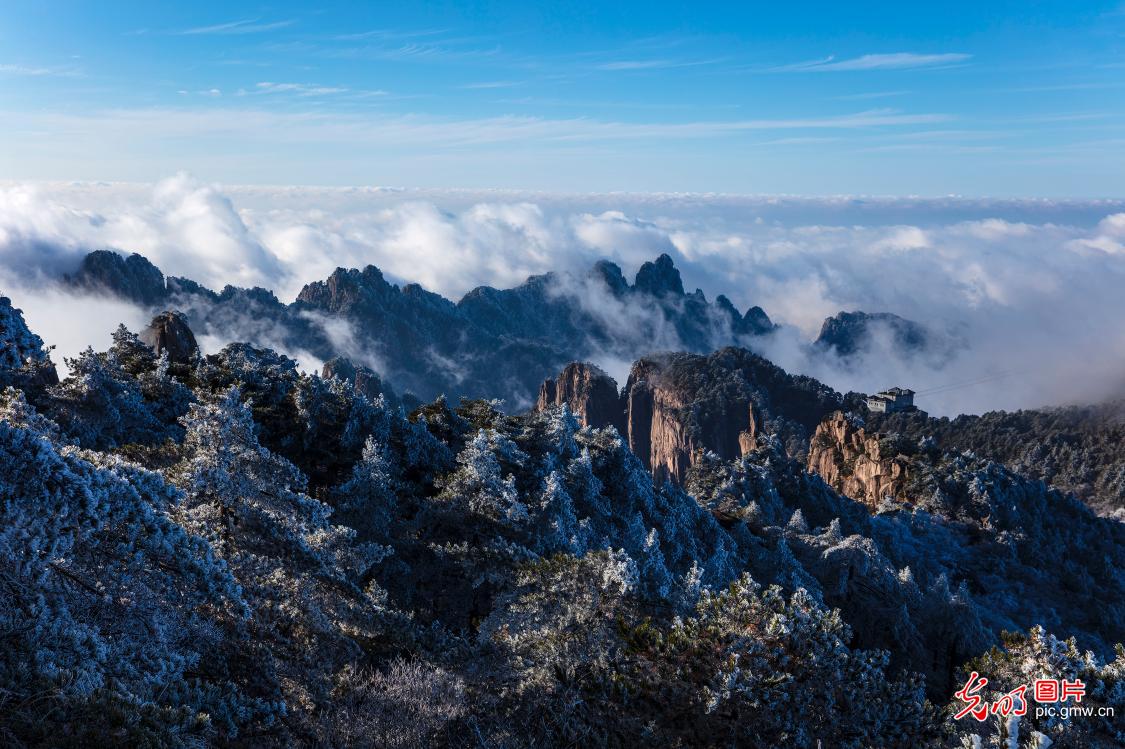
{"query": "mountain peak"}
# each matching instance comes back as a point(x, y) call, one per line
point(659, 278)
point(848, 332)
point(133, 277)
point(611, 274)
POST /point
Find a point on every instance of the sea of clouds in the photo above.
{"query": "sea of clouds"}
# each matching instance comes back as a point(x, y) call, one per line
point(1034, 288)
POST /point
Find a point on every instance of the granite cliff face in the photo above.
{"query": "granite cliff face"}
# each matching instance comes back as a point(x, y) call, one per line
point(677, 407)
point(670, 421)
point(857, 463)
point(589, 393)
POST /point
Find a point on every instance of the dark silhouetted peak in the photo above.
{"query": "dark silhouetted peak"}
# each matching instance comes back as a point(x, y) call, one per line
point(849, 332)
point(754, 322)
point(611, 274)
point(133, 278)
point(727, 307)
point(757, 322)
point(364, 379)
point(23, 358)
point(588, 392)
point(256, 295)
point(178, 286)
point(659, 278)
point(492, 342)
point(345, 288)
point(169, 332)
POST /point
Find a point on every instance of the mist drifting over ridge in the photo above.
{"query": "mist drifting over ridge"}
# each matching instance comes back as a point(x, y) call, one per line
point(1032, 288)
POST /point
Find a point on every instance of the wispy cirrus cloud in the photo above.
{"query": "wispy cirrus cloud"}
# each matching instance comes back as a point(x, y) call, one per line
point(890, 61)
point(37, 70)
point(309, 89)
point(232, 28)
point(259, 125)
point(618, 65)
point(491, 84)
point(303, 89)
point(387, 34)
point(868, 95)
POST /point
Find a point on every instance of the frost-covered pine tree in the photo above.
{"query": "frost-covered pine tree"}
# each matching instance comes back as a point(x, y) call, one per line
point(478, 484)
point(556, 526)
point(101, 405)
point(299, 572)
point(367, 500)
point(109, 609)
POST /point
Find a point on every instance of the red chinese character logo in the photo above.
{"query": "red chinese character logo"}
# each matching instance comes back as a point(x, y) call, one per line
point(1046, 690)
point(1075, 689)
point(970, 695)
point(1013, 703)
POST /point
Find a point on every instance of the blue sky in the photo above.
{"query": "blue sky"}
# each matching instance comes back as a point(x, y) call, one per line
point(999, 98)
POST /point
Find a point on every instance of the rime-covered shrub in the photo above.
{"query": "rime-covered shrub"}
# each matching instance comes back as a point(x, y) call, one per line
point(108, 608)
point(406, 704)
point(101, 405)
point(24, 361)
point(296, 564)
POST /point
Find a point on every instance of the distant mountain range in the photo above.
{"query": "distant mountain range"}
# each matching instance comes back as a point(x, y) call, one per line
point(494, 343)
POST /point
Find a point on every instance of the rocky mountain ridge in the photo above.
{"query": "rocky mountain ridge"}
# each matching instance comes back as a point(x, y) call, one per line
point(491, 343)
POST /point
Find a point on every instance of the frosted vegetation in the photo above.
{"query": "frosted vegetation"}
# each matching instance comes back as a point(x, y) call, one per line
point(232, 552)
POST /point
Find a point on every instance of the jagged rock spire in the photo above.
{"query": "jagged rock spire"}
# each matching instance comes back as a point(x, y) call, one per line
point(659, 278)
point(169, 332)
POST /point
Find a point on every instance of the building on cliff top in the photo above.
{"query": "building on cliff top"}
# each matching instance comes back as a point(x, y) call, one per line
point(892, 400)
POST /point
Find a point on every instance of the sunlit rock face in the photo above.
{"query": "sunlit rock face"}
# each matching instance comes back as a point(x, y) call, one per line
point(589, 393)
point(857, 463)
point(677, 407)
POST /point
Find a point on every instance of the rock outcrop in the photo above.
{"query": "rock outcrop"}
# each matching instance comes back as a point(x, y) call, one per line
point(364, 379)
point(169, 332)
point(861, 465)
point(677, 406)
point(659, 278)
point(589, 393)
point(671, 421)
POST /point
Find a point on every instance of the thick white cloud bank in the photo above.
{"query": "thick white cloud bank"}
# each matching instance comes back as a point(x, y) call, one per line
point(1036, 289)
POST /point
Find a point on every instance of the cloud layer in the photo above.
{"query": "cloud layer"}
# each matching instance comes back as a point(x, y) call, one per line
point(1033, 287)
